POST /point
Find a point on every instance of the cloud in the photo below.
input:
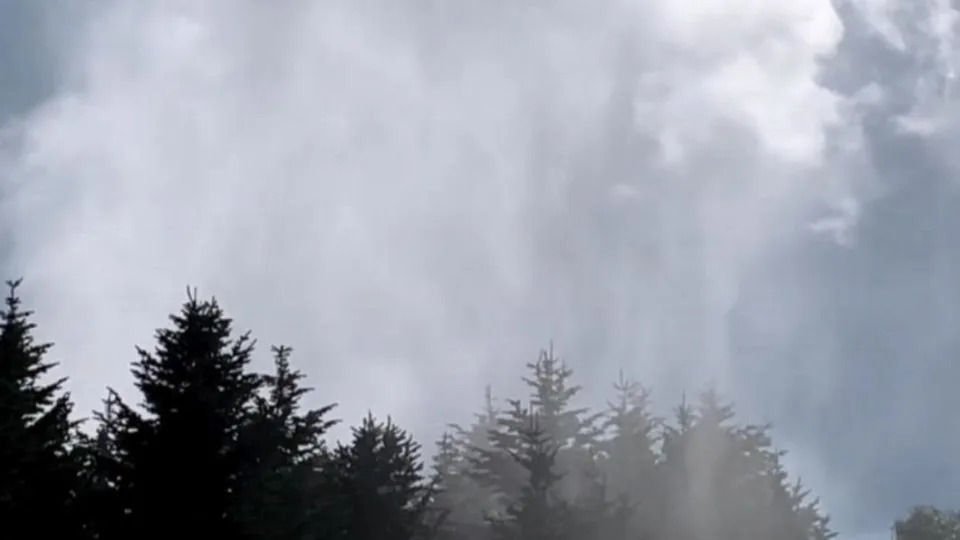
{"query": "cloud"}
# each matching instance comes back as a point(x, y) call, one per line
point(417, 194)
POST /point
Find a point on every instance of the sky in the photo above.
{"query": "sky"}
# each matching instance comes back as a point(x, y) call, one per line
point(418, 195)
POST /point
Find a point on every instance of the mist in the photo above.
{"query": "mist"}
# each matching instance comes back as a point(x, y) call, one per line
point(418, 195)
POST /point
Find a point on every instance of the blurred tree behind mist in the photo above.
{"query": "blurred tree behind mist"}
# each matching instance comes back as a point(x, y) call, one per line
point(928, 523)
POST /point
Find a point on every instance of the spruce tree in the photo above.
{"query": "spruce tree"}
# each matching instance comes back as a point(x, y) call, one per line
point(176, 463)
point(450, 496)
point(551, 395)
point(376, 487)
point(465, 496)
point(573, 430)
point(280, 445)
point(101, 507)
point(675, 475)
point(928, 523)
point(725, 482)
point(538, 513)
point(630, 462)
point(494, 467)
point(38, 465)
point(787, 510)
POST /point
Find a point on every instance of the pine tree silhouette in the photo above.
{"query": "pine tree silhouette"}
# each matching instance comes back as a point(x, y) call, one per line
point(100, 477)
point(176, 463)
point(280, 446)
point(377, 487)
point(38, 465)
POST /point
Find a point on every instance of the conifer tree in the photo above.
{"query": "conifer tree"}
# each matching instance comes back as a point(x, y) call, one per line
point(99, 495)
point(787, 510)
point(494, 467)
point(574, 431)
point(725, 482)
point(551, 395)
point(540, 512)
point(176, 462)
point(280, 445)
point(630, 462)
point(376, 487)
point(38, 466)
point(537, 513)
point(465, 498)
point(928, 523)
point(451, 491)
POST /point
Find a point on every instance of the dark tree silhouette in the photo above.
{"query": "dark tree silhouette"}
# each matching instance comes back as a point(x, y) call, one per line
point(177, 464)
point(280, 446)
point(376, 487)
point(38, 466)
point(100, 476)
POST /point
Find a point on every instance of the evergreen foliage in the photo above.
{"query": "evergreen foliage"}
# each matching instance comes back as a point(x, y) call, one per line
point(215, 446)
point(928, 523)
point(377, 486)
point(177, 461)
point(281, 446)
point(38, 466)
point(537, 513)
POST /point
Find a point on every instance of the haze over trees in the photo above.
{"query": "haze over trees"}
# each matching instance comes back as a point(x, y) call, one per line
point(928, 523)
point(209, 446)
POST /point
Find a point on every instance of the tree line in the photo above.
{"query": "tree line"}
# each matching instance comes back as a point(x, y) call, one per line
point(216, 449)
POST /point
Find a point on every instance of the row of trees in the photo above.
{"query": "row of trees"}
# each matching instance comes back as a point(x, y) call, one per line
point(214, 448)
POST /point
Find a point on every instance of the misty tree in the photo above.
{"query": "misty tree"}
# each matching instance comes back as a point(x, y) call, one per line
point(630, 462)
point(176, 462)
point(573, 430)
point(628, 476)
point(465, 496)
point(376, 488)
point(495, 465)
point(450, 496)
point(38, 465)
point(577, 434)
point(725, 481)
point(537, 513)
point(929, 523)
